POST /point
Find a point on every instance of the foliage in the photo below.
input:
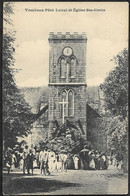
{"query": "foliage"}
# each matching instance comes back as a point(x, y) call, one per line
point(115, 89)
point(118, 138)
point(115, 86)
point(43, 99)
point(66, 137)
point(7, 11)
point(16, 112)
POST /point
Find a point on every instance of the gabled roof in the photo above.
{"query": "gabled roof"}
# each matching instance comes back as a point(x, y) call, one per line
point(92, 112)
point(42, 111)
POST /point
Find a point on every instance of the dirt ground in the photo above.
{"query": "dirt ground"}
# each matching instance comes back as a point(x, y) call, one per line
point(111, 181)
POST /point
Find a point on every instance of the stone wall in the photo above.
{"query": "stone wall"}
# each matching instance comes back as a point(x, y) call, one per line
point(79, 105)
point(77, 83)
point(95, 130)
point(57, 44)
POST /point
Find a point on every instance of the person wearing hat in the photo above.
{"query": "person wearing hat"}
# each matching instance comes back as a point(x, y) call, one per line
point(64, 159)
point(97, 160)
point(92, 162)
point(105, 161)
point(8, 157)
point(58, 162)
point(24, 157)
point(51, 160)
point(41, 159)
point(46, 168)
point(37, 158)
point(30, 159)
point(13, 161)
point(70, 162)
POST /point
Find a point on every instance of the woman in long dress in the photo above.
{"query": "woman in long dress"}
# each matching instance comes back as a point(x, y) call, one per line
point(59, 162)
point(92, 162)
point(76, 160)
point(70, 161)
point(13, 162)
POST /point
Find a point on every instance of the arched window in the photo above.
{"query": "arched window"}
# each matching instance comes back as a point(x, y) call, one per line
point(67, 96)
point(70, 103)
point(67, 66)
point(72, 66)
point(62, 67)
point(64, 98)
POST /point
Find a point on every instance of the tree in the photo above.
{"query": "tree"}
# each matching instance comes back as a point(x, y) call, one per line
point(117, 135)
point(115, 86)
point(65, 136)
point(16, 112)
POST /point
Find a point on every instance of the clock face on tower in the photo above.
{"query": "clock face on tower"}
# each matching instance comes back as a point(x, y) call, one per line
point(67, 51)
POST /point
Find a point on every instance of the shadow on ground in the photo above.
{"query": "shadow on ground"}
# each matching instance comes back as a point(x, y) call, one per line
point(18, 184)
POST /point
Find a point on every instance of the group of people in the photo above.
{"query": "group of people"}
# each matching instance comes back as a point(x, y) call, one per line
point(93, 160)
point(17, 159)
point(49, 161)
point(45, 159)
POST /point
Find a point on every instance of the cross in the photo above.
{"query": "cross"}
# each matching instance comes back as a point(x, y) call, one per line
point(63, 104)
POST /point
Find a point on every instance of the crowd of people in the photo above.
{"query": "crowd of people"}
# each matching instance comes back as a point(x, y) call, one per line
point(49, 161)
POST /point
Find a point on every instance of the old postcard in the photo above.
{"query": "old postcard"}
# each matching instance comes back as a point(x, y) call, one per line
point(65, 98)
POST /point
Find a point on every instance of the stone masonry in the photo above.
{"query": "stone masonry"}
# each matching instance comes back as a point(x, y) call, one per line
point(77, 83)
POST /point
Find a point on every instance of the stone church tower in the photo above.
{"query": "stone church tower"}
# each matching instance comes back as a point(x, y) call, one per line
point(67, 78)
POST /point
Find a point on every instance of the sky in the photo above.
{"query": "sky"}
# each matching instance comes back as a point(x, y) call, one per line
point(107, 35)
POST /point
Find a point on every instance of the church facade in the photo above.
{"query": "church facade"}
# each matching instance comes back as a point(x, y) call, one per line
point(67, 79)
point(67, 97)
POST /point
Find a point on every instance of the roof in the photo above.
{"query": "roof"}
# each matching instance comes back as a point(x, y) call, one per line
point(35, 95)
point(89, 110)
point(42, 111)
point(92, 112)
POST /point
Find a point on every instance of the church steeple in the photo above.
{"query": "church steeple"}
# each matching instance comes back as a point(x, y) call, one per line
point(67, 58)
point(67, 78)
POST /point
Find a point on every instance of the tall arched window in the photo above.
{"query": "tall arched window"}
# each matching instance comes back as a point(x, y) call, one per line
point(72, 66)
point(68, 97)
point(62, 67)
point(67, 66)
point(64, 97)
point(70, 103)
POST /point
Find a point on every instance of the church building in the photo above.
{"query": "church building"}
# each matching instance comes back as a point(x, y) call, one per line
point(67, 78)
point(66, 98)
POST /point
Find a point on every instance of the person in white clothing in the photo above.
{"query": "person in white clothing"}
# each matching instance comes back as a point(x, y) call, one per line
point(104, 158)
point(92, 162)
point(58, 162)
point(51, 160)
point(13, 162)
point(120, 165)
point(42, 160)
point(24, 157)
point(76, 161)
point(64, 157)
